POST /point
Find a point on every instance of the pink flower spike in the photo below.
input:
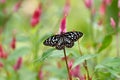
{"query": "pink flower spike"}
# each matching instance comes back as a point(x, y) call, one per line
point(2, 1)
point(40, 75)
point(18, 64)
point(118, 3)
point(88, 3)
point(113, 23)
point(118, 14)
point(70, 64)
point(76, 71)
point(1, 65)
point(102, 8)
point(17, 6)
point(36, 16)
point(63, 25)
point(13, 43)
point(108, 2)
point(66, 8)
point(1, 51)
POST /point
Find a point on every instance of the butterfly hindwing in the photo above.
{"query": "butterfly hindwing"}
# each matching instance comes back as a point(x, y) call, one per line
point(68, 43)
point(73, 35)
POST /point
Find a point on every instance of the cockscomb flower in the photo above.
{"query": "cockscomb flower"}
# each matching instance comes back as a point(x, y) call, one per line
point(102, 8)
point(63, 25)
point(108, 2)
point(113, 23)
point(18, 64)
point(36, 16)
point(2, 53)
point(88, 3)
point(66, 8)
point(118, 3)
point(70, 64)
point(17, 6)
point(2, 1)
point(40, 75)
point(118, 14)
point(1, 65)
point(13, 43)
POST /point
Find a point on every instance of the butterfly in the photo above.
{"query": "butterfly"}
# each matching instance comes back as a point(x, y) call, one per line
point(60, 41)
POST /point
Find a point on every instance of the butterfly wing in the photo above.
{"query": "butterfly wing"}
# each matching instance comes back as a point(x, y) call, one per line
point(52, 41)
point(68, 43)
point(73, 35)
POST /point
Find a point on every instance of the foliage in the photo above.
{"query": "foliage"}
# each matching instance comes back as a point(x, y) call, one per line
point(25, 24)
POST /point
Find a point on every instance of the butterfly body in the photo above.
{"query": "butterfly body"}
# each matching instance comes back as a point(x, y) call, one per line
point(63, 40)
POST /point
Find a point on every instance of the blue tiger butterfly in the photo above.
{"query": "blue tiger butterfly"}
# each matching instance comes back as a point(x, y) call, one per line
point(60, 41)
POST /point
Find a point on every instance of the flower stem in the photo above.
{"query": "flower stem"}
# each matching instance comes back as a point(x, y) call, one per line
point(117, 43)
point(70, 77)
point(85, 63)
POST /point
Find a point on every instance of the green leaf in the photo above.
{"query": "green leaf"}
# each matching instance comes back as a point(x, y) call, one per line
point(83, 58)
point(22, 38)
point(19, 52)
point(109, 62)
point(105, 43)
point(112, 11)
point(112, 65)
point(45, 55)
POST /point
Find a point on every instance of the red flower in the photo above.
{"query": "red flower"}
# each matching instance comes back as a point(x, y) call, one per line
point(17, 6)
point(88, 3)
point(102, 8)
point(118, 3)
point(108, 2)
point(18, 64)
point(113, 23)
point(63, 25)
point(13, 43)
point(2, 1)
point(2, 53)
point(1, 65)
point(36, 16)
point(66, 8)
point(40, 75)
point(100, 22)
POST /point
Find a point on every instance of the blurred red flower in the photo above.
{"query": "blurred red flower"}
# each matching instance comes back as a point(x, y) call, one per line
point(2, 53)
point(18, 64)
point(2, 1)
point(17, 6)
point(113, 23)
point(66, 8)
point(1, 65)
point(13, 43)
point(40, 75)
point(75, 72)
point(36, 16)
point(63, 25)
point(108, 2)
point(118, 3)
point(102, 8)
point(88, 3)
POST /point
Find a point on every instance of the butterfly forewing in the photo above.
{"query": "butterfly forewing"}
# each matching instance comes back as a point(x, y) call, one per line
point(52, 41)
point(73, 36)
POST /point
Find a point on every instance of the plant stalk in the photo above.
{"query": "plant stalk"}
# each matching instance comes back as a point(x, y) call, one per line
point(117, 43)
point(69, 75)
point(85, 63)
